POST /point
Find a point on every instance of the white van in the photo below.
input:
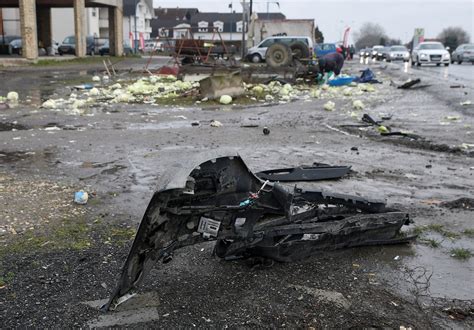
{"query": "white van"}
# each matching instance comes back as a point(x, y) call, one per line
point(257, 53)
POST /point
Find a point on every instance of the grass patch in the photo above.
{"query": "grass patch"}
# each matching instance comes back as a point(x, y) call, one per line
point(6, 279)
point(431, 242)
point(461, 253)
point(436, 228)
point(69, 234)
point(469, 232)
point(119, 235)
point(75, 60)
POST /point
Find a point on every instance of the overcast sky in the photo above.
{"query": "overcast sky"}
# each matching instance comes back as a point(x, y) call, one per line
point(398, 17)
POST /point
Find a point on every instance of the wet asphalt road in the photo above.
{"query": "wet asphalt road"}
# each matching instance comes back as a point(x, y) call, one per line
point(454, 73)
point(139, 142)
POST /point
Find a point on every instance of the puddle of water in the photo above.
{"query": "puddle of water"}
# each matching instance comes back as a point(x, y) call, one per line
point(165, 125)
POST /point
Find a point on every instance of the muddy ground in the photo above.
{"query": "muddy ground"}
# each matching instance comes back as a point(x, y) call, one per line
point(59, 260)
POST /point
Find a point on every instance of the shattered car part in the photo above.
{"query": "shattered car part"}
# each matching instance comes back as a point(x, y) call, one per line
point(305, 173)
point(410, 83)
point(222, 200)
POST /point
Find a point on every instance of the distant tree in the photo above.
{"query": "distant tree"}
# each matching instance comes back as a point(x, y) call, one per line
point(453, 36)
point(318, 36)
point(393, 41)
point(369, 34)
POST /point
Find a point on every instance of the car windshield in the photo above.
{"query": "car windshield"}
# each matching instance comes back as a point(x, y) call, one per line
point(267, 43)
point(328, 47)
point(398, 49)
point(470, 47)
point(431, 46)
point(16, 42)
point(69, 40)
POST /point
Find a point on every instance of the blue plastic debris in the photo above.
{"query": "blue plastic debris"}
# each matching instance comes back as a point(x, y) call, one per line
point(340, 81)
point(81, 197)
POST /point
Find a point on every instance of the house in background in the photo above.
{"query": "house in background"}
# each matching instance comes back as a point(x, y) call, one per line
point(137, 16)
point(175, 23)
point(168, 18)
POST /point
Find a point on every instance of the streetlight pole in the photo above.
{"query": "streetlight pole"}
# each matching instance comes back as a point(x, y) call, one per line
point(243, 29)
point(135, 23)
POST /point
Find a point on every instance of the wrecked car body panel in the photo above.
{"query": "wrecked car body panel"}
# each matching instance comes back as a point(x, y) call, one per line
point(222, 200)
point(305, 173)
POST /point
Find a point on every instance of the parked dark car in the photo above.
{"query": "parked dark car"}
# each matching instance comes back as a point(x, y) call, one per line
point(5, 40)
point(15, 47)
point(69, 46)
point(105, 49)
point(382, 53)
point(5, 43)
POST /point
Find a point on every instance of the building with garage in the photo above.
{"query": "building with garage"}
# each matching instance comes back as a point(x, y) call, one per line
point(36, 23)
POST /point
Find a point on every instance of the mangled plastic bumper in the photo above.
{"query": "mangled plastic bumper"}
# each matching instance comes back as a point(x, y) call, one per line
point(222, 200)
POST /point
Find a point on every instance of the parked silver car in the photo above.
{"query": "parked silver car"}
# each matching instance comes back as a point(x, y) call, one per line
point(464, 53)
point(398, 53)
point(430, 53)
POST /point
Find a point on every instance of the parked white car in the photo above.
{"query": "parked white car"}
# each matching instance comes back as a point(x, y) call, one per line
point(430, 53)
point(257, 53)
point(398, 53)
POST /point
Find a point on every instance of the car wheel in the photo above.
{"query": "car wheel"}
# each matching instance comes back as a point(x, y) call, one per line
point(418, 62)
point(459, 62)
point(388, 61)
point(446, 64)
point(60, 53)
point(256, 58)
point(438, 64)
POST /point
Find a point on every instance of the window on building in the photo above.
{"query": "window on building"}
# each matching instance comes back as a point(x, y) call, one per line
point(202, 26)
point(239, 26)
point(219, 25)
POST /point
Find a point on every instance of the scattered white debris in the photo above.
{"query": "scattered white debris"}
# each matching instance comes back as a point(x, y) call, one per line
point(12, 97)
point(316, 93)
point(225, 99)
point(358, 105)
point(49, 104)
point(116, 86)
point(94, 92)
point(216, 123)
point(329, 106)
point(468, 102)
point(96, 78)
point(52, 128)
point(269, 98)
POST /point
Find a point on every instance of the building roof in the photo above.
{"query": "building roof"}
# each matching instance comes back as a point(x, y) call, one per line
point(130, 5)
point(176, 14)
point(170, 17)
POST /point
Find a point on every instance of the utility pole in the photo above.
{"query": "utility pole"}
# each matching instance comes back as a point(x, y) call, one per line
point(231, 20)
point(243, 28)
point(136, 34)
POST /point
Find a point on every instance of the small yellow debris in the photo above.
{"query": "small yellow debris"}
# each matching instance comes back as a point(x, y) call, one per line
point(329, 106)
